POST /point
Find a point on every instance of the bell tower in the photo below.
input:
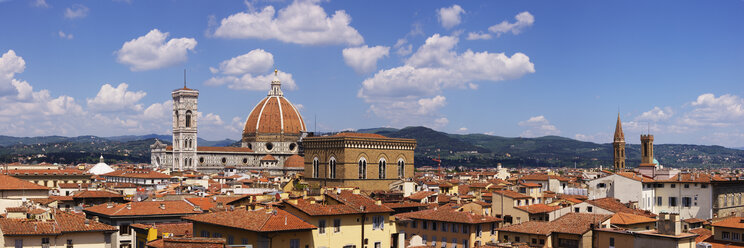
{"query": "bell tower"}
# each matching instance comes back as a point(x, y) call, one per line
point(618, 147)
point(184, 127)
point(647, 150)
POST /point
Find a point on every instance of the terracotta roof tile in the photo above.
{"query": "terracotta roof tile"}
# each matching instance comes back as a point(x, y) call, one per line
point(137, 173)
point(144, 208)
point(702, 233)
point(22, 172)
point(12, 183)
point(448, 214)
point(192, 242)
point(421, 195)
point(349, 203)
point(511, 194)
point(183, 229)
point(95, 194)
point(61, 223)
point(268, 157)
point(539, 208)
point(615, 206)
point(629, 219)
point(571, 223)
point(295, 161)
point(731, 222)
point(262, 220)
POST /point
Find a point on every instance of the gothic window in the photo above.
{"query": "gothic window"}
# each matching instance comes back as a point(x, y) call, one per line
point(381, 165)
point(332, 168)
point(401, 168)
point(188, 118)
point(362, 168)
point(315, 167)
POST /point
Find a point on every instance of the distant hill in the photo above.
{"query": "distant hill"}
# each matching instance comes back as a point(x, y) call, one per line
point(86, 149)
point(474, 150)
point(488, 150)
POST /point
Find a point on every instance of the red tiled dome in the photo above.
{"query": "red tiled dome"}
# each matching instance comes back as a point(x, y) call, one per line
point(274, 114)
point(295, 161)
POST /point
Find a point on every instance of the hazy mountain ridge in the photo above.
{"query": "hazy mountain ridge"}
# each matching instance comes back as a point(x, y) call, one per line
point(488, 150)
point(454, 149)
point(85, 149)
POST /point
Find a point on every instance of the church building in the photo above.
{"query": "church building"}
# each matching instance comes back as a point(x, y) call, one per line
point(270, 140)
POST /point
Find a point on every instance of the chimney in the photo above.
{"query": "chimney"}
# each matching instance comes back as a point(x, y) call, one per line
point(197, 208)
point(87, 221)
point(356, 191)
point(109, 205)
point(378, 203)
point(95, 218)
point(129, 206)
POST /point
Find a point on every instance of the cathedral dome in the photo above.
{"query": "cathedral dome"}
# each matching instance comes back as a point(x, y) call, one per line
point(274, 115)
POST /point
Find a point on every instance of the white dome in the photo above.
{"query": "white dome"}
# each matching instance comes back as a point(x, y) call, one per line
point(100, 168)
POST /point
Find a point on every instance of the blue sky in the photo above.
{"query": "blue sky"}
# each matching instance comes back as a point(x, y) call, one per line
point(507, 68)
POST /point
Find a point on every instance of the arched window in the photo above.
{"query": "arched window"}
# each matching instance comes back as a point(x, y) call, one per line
point(382, 168)
point(362, 168)
point(188, 118)
point(332, 168)
point(315, 168)
point(401, 168)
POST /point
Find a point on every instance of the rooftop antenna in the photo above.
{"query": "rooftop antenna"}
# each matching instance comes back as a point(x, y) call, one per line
point(315, 125)
point(184, 78)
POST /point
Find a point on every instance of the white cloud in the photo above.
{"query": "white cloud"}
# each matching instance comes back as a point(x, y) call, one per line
point(210, 119)
point(151, 51)
point(64, 35)
point(524, 19)
point(159, 111)
point(76, 11)
point(709, 110)
point(395, 93)
point(240, 72)
point(462, 130)
point(113, 111)
point(116, 99)
point(302, 22)
point(40, 4)
point(250, 82)
point(538, 126)
point(450, 17)
point(255, 61)
point(364, 59)
point(402, 47)
point(10, 64)
point(478, 36)
point(656, 114)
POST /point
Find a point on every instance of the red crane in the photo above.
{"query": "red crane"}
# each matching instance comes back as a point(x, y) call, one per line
point(439, 161)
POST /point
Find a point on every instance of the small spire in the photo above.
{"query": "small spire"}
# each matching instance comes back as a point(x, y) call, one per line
point(276, 71)
point(619, 135)
point(184, 78)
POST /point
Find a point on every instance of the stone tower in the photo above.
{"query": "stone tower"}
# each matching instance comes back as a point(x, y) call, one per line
point(647, 150)
point(184, 128)
point(618, 146)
